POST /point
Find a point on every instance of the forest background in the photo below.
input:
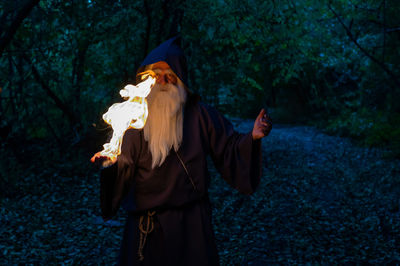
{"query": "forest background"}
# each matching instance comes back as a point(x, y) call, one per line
point(329, 64)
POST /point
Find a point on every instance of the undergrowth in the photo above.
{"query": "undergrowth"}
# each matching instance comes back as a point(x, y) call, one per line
point(321, 200)
point(368, 128)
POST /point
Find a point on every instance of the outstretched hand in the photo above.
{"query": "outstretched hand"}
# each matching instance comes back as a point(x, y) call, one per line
point(102, 161)
point(262, 125)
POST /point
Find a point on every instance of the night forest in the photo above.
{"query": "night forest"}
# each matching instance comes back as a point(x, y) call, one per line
point(327, 71)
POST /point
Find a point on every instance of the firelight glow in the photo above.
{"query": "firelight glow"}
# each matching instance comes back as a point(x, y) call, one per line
point(131, 113)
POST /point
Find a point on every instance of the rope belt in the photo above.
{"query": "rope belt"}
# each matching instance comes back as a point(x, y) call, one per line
point(144, 231)
point(149, 215)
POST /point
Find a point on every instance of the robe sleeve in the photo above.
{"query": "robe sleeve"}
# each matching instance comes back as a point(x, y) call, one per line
point(116, 180)
point(236, 156)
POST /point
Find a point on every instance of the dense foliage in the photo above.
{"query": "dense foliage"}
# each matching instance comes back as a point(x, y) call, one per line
point(63, 62)
point(330, 63)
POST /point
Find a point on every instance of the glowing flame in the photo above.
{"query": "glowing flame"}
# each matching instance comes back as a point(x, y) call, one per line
point(131, 113)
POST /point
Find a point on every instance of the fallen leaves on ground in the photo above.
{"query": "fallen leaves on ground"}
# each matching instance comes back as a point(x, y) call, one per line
point(322, 200)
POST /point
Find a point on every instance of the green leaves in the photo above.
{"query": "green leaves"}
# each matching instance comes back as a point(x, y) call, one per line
point(254, 84)
point(237, 50)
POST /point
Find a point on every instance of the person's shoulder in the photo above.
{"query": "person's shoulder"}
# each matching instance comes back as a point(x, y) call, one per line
point(208, 109)
point(195, 104)
point(192, 99)
point(132, 140)
point(132, 133)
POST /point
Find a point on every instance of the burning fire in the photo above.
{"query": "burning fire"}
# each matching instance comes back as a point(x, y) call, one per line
point(131, 113)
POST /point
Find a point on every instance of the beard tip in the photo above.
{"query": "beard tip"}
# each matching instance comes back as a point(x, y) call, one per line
point(165, 110)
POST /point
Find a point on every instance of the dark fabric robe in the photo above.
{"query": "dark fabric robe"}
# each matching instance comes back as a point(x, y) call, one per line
point(183, 233)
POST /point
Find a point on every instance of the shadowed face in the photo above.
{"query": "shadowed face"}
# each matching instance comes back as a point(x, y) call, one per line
point(169, 88)
point(163, 129)
point(164, 74)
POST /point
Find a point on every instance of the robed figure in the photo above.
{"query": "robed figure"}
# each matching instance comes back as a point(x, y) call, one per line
point(161, 178)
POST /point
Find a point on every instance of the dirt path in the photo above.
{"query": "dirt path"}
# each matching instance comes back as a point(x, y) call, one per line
point(322, 200)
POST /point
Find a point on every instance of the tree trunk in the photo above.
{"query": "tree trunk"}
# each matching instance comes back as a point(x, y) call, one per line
point(79, 69)
point(148, 28)
point(21, 15)
point(74, 121)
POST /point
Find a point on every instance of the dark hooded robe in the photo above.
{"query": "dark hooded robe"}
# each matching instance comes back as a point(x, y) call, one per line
point(171, 202)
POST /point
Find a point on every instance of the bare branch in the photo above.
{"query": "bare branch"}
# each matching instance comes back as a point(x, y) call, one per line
point(393, 29)
point(59, 103)
point(363, 50)
point(148, 27)
point(21, 15)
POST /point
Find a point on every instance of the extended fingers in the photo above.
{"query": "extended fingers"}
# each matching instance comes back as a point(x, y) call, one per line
point(261, 114)
point(98, 156)
point(267, 124)
point(266, 120)
point(262, 125)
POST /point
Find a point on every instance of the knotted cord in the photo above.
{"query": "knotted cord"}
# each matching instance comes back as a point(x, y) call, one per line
point(145, 232)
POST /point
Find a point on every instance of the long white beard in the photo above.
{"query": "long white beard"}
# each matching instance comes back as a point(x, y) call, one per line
point(164, 125)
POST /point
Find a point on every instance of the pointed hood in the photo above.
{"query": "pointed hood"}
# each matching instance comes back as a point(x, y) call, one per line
point(171, 53)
